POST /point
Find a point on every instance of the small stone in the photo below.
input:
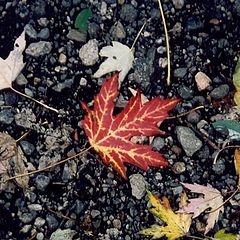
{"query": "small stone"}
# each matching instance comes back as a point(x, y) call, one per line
point(193, 117)
point(128, 13)
point(44, 33)
point(118, 31)
point(83, 82)
point(185, 92)
point(43, 22)
point(178, 167)
point(177, 150)
point(40, 236)
point(220, 92)
point(95, 213)
point(30, 31)
point(117, 224)
point(39, 49)
point(27, 147)
point(21, 80)
point(6, 116)
point(39, 222)
point(76, 35)
point(26, 228)
point(66, 234)
point(178, 4)
point(27, 217)
point(194, 24)
point(202, 80)
point(35, 207)
point(188, 140)
point(158, 143)
point(162, 62)
point(51, 222)
point(138, 185)
point(180, 72)
point(103, 9)
point(88, 53)
point(41, 182)
point(62, 59)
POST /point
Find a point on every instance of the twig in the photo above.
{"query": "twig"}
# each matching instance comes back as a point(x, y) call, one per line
point(42, 104)
point(59, 214)
point(183, 114)
point(167, 41)
point(23, 136)
point(48, 167)
point(228, 199)
point(217, 155)
point(138, 35)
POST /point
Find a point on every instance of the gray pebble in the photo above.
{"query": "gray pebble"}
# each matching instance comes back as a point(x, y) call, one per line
point(117, 31)
point(188, 140)
point(39, 222)
point(41, 182)
point(6, 116)
point(95, 213)
point(178, 167)
point(27, 147)
point(51, 222)
point(27, 217)
point(117, 224)
point(185, 92)
point(39, 49)
point(128, 13)
point(158, 143)
point(76, 35)
point(138, 185)
point(178, 4)
point(44, 33)
point(193, 24)
point(40, 236)
point(88, 53)
point(21, 80)
point(30, 31)
point(220, 92)
point(193, 117)
point(180, 72)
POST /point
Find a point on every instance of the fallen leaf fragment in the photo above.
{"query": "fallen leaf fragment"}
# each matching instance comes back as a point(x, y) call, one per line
point(237, 163)
point(212, 199)
point(221, 235)
point(177, 224)
point(12, 161)
point(119, 58)
point(13, 64)
point(110, 135)
point(236, 82)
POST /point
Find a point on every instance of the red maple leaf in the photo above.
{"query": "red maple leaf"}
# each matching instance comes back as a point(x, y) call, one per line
point(110, 135)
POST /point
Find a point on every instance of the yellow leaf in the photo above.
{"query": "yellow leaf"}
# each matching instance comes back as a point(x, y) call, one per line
point(236, 82)
point(177, 225)
point(237, 163)
point(237, 98)
point(183, 201)
point(221, 235)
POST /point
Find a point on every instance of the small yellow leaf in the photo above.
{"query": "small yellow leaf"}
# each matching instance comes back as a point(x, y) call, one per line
point(237, 163)
point(221, 235)
point(183, 200)
point(237, 98)
point(177, 224)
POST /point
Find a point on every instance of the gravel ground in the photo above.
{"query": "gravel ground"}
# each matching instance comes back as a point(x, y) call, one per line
point(83, 195)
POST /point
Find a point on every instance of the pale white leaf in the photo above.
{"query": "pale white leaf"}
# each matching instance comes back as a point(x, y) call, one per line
point(13, 64)
point(119, 58)
point(211, 199)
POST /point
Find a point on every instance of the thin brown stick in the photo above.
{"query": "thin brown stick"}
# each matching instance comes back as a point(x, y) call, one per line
point(59, 214)
point(40, 103)
point(228, 199)
point(23, 136)
point(217, 155)
point(184, 114)
point(48, 167)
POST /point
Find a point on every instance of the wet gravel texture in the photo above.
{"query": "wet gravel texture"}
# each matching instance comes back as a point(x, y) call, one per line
point(83, 195)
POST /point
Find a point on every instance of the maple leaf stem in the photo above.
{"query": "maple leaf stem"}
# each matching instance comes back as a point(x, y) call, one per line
point(226, 147)
point(84, 150)
point(228, 199)
point(167, 41)
point(40, 103)
point(138, 35)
